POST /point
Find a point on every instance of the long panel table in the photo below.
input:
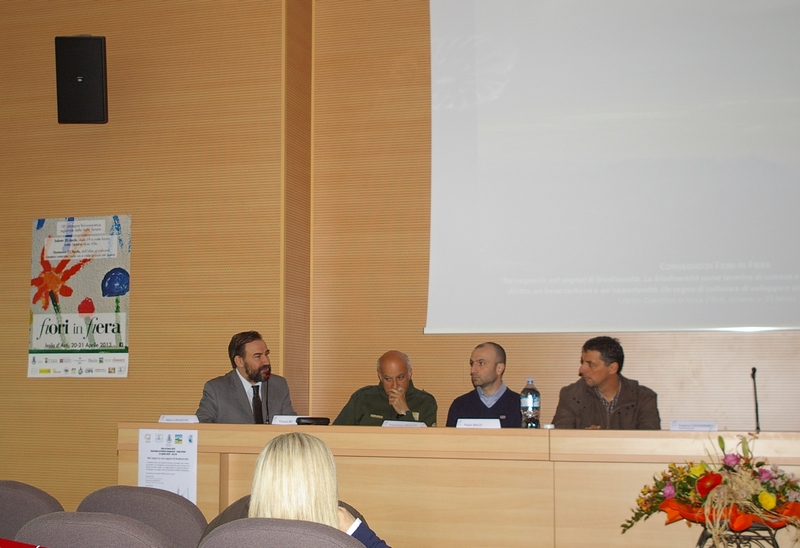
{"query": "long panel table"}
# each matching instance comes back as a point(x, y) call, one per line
point(422, 487)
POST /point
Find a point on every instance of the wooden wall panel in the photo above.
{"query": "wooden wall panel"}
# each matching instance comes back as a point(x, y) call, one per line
point(371, 185)
point(296, 239)
point(371, 193)
point(192, 152)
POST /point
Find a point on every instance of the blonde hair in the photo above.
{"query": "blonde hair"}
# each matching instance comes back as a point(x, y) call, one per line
point(295, 478)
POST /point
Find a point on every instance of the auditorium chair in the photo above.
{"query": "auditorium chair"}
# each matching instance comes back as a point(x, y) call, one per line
point(277, 533)
point(20, 503)
point(90, 530)
point(240, 508)
point(174, 516)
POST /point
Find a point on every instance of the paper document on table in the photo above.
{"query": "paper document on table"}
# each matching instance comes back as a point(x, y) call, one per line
point(168, 460)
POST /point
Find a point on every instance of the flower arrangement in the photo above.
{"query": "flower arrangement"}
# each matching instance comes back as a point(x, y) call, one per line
point(730, 493)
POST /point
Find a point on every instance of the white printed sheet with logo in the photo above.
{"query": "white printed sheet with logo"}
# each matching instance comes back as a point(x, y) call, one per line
point(168, 460)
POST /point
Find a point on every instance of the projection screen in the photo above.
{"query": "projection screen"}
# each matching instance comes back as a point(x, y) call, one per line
point(611, 165)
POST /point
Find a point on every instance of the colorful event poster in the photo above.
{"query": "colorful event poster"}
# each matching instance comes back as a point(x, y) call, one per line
point(80, 283)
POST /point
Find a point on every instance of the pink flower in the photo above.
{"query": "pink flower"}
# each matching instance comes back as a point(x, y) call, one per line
point(668, 491)
point(765, 474)
point(731, 459)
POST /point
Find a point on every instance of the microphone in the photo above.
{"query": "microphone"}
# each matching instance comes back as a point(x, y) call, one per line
point(755, 397)
point(266, 396)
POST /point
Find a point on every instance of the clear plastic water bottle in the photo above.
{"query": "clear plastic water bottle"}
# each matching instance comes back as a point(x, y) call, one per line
point(530, 403)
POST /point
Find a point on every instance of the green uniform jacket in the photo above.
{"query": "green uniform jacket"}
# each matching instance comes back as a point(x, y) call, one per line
point(369, 406)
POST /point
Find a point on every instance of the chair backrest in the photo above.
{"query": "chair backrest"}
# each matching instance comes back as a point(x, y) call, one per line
point(237, 510)
point(240, 509)
point(278, 533)
point(90, 530)
point(20, 503)
point(174, 516)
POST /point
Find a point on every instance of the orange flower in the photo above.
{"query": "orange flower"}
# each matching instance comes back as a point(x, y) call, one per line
point(739, 521)
point(791, 509)
point(676, 511)
point(673, 510)
point(52, 282)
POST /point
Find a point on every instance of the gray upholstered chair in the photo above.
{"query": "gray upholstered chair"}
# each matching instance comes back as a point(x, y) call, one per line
point(172, 515)
point(240, 508)
point(277, 533)
point(90, 530)
point(20, 503)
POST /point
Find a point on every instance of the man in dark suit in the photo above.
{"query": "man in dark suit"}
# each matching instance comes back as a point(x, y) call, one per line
point(250, 393)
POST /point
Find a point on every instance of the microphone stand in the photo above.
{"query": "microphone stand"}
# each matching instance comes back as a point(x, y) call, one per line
point(266, 398)
point(755, 395)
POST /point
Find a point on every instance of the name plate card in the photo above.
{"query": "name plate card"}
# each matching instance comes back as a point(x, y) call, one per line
point(285, 420)
point(404, 424)
point(693, 426)
point(478, 423)
point(184, 419)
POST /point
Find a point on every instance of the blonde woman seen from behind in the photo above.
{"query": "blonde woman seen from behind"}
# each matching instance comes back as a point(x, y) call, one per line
point(295, 478)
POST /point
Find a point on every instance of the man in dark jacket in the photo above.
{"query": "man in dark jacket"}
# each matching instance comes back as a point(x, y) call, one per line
point(602, 398)
point(394, 398)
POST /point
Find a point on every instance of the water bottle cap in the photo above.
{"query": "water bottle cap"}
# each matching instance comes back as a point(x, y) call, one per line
point(530, 380)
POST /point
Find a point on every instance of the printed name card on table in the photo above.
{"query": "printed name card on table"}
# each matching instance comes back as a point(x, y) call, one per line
point(693, 426)
point(478, 423)
point(301, 420)
point(185, 419)
point(285, 420)
point(404, 424)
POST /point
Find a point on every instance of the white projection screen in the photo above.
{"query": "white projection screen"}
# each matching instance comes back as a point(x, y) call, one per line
point(611, 165)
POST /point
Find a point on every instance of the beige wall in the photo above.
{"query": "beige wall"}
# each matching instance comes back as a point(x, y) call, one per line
point(279, 184)
point(193, 152)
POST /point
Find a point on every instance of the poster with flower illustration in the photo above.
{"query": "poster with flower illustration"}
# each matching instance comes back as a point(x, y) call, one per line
point(80, 284)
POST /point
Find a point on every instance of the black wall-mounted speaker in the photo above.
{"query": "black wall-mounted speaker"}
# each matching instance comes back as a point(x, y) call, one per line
point(81, 79)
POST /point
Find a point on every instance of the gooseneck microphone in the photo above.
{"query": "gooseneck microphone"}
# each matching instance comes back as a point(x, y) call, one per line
point(755, 396)
point(266, 397)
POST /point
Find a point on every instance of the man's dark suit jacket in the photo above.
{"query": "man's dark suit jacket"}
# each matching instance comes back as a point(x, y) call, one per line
point(225, 400)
